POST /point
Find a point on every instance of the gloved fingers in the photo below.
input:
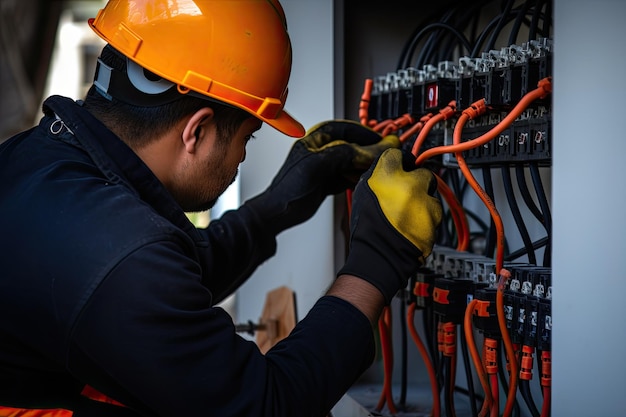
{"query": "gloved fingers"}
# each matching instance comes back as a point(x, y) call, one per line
point(361, 157)
point(406, 199)
point(346, 130)
point(365, 155)
point(389, 175)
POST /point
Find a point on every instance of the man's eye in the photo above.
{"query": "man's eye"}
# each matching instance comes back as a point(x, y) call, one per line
point(247, 138)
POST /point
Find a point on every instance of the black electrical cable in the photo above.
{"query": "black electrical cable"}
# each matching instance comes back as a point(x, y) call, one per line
point(449, 387)
point(525, 192)
point(445, 52)
point(521, 252)
point(524, 387)
point(405, 54)
point(455, 184)
point(534, 23)
point(431, 42)
point(468, 373)
point(403, 352)
point(441, 373)
point(480, 222)
point(444, 45)
point(517, 215)
point(437, 25)
point(491, 235)
point(503, 378)
point(545, 209)
point(521, 14)
point(431, 342)
point(547, 19)
point(460, 21)
point(504, 16)
point(454, 238)
point(488, 30)
point(467, 14)
point(444, 237)
point(541, 195)
point(447, 236)
point(461, 390)
point(481, 38)
point(538, 363)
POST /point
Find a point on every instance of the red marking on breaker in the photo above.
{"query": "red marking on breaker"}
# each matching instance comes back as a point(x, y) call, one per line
point(432, 95)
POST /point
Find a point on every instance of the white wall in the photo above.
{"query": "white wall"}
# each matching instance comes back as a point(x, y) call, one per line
point(305, 256)
point(589, 195)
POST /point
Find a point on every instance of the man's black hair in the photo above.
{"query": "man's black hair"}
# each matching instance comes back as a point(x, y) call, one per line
point(138, 125)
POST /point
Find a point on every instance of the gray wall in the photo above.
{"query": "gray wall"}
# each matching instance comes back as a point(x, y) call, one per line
point(305, 256)
point(589, 195)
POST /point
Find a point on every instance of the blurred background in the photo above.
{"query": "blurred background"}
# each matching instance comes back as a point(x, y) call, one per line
point(45, 48)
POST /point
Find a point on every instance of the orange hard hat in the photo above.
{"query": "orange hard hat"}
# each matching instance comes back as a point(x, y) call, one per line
point(237, 52)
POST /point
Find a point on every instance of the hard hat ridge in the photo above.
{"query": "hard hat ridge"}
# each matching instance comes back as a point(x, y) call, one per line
point(237, 52)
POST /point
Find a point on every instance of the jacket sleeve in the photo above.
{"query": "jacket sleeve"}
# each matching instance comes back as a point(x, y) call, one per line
point(149, 338)
point(241, 243)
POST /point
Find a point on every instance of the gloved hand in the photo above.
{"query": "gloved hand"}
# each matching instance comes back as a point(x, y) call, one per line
point(328, 160)
point(393, 223)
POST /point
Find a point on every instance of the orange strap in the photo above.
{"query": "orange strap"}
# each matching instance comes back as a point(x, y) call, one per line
point(96, 395)
point(23, 412)
point(87, 391)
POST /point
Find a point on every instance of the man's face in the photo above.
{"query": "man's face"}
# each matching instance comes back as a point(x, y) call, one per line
point(206, 177)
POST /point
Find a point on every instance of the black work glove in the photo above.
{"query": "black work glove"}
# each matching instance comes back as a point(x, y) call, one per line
point(392, 229)
point(328, 160)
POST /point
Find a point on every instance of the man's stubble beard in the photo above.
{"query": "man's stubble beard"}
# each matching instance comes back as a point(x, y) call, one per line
point(194, 193)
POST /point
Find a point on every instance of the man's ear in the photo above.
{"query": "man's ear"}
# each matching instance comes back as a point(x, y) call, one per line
point(196, 128)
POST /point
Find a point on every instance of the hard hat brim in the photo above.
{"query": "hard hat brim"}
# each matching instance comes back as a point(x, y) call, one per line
point(285, 124)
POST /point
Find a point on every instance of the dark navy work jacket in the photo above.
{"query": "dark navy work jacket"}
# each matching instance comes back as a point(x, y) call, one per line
point(104, 282)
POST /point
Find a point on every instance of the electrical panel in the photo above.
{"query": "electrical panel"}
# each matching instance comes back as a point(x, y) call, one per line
point(471, 99)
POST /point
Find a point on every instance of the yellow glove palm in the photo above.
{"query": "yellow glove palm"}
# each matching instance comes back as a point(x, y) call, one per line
point(393, 223)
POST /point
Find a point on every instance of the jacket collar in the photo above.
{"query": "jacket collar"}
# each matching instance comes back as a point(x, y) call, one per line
point(118, 162)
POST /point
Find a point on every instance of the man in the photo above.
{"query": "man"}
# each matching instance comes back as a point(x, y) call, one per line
point(107, 291)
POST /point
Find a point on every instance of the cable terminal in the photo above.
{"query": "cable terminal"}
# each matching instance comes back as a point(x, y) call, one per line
point(491, 356)
point(449, 339)
point(448, 111)
point(546, 368)
point(476, 109)
point(526, 363)
point(546, 85)
point(481, 308)
point(426, 117)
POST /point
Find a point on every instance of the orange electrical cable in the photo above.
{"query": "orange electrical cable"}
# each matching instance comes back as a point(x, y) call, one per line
point(545, 408)
point(384, 326)
point(444, 114)
point(415, 129)
point(546, 382)
point(397, 124)
point(349, 202)
point(506, 341)
point(364, 104)
point(458, 214)
point(490, 361)
point(476, 109)
point(544, 88)
point(495, 395)
point(434, 386)
point(384, 348)
point(480, 369)
point(499, 258)
point(467, 173)
point(378, 127)
point(449, 351)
